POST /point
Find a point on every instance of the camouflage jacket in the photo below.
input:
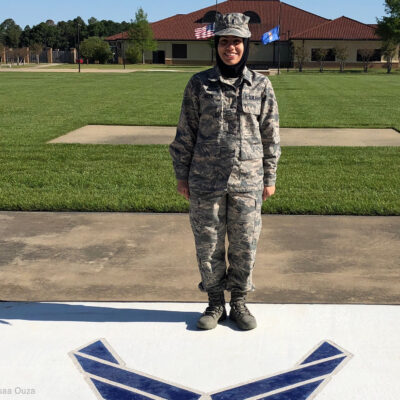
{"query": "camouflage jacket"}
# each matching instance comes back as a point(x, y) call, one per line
point(228, 134)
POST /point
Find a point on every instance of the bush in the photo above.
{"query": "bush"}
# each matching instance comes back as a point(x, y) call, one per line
point(96, 49)
point(132, 55)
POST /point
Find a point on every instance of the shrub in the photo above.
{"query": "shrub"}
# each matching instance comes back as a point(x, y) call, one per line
point(96, 49)
point(132, 54)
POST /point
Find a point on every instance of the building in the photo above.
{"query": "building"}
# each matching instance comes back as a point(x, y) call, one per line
point(177, 43)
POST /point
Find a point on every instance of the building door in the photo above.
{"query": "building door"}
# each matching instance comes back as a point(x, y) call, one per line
point(159, 57)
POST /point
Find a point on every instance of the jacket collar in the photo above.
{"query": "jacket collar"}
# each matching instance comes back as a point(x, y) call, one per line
point(215, 75)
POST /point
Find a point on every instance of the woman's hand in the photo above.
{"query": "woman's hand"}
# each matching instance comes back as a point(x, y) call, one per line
point(268, 192)
point(183, 189)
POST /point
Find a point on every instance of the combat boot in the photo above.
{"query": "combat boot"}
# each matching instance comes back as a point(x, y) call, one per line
point(240, 313)
point(215, 311)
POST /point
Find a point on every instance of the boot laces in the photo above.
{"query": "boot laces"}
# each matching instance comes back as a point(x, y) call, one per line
point(216, 304)
point(240, 308)
point(213, 311)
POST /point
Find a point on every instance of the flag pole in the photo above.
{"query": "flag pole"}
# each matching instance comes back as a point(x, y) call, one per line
point(215, 24)
point(279, 40)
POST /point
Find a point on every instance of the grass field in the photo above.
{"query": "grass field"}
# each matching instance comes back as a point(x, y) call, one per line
point(129, 66)
point(35, 108)
point(327, 70)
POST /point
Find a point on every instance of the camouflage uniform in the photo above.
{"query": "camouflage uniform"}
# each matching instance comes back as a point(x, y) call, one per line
point(227, 147)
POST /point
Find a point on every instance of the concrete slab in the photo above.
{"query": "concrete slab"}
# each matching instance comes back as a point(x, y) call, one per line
point(48, 256)
point(117, 351)
point(108, 134)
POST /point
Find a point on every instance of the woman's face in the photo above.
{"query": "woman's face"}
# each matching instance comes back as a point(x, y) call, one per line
point(230, 49)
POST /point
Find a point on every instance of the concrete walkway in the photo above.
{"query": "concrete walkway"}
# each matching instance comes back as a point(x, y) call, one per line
point(110, 134)
point(150, 257)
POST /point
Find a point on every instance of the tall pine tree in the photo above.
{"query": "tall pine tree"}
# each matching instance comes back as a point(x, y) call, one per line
point(141, 33)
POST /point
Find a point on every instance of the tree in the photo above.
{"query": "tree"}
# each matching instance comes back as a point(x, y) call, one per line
point(18, 54)
point(389, 26)
point(1, 52)
point(106, 28)
point(141, 33)
point(36, 49)
point(87, 48)
point(24, 40)
point(48, 35)
point(341, 53)
point(79, 24)
point(95, 27)
point(320, 55)
point(389, 49)
point(300, 56)
point(366, 55)
point(10, 33)
point(96, 49)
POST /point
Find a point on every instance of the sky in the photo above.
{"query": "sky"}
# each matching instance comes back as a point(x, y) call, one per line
point(32, 12)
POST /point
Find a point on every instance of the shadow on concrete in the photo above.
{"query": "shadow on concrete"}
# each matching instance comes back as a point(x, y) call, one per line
point(83, 313)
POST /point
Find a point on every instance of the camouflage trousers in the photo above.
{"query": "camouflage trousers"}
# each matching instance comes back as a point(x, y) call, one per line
point(212, 217)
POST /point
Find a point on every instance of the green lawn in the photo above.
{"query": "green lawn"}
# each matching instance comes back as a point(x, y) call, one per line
point(35, 108)
point(130, 66)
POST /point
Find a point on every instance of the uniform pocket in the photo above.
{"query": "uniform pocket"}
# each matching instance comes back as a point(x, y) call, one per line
point(251, 101)
point(251, 107)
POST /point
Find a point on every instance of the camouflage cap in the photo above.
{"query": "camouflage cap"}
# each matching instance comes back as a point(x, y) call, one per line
point(233, 24)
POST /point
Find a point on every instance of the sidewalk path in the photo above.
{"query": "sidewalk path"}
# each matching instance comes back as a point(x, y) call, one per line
point(110, 134)
point(48, 256)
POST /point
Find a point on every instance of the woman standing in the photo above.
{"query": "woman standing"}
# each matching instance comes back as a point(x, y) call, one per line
point(225, 157)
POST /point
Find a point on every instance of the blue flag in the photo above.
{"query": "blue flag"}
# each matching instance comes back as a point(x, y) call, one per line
point(271, 36)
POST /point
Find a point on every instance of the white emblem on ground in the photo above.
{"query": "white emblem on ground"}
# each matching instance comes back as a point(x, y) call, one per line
point(110, 379)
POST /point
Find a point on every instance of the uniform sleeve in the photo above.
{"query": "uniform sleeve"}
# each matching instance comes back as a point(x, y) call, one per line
point(269, 128)
point(181, 149)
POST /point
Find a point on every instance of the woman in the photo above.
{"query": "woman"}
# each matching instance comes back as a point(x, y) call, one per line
point(225, 156)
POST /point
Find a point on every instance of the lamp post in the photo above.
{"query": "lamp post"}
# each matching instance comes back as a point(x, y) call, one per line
point(79, 46)
point(279, 41)
point(123, 53)
point(290, 51)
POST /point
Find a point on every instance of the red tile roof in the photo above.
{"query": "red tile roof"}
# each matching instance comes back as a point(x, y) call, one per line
point(182, 26)
point(341, 28)
point(118, 36)
point(295, 23)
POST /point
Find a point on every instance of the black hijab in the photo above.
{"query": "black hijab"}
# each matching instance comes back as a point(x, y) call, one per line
point(232, 71)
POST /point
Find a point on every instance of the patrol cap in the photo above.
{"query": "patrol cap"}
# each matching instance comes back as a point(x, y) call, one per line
point(233, 24)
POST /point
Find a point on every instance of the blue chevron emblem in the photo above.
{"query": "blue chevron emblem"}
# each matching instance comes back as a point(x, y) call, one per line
point(108, 376)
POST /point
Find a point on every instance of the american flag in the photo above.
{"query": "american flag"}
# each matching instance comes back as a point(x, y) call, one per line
point(204, 32)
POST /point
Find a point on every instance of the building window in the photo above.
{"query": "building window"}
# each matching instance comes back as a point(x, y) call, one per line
point(329, 57)
point(254, 17)
point(179, 50)
point(373, 54)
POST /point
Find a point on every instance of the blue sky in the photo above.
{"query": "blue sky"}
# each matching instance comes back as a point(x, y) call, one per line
point(32, 12)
